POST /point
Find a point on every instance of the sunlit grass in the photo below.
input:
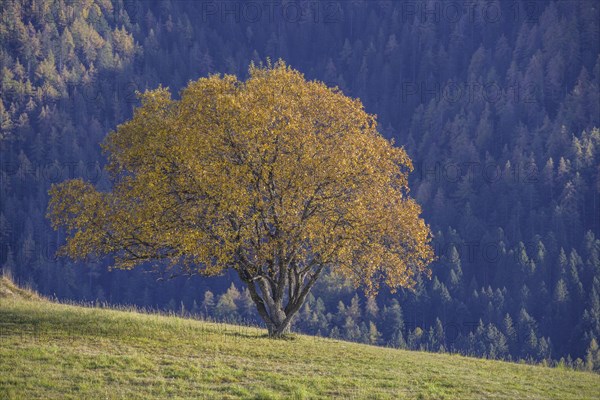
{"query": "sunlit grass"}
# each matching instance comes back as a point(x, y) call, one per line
point(57, 351)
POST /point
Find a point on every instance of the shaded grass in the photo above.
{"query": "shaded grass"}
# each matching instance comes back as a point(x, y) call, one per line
point(57, 351)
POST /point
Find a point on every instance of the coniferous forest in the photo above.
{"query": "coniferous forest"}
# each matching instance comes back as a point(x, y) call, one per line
point(496, 102)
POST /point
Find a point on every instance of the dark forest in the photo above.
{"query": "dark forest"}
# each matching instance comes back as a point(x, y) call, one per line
point(496, 102)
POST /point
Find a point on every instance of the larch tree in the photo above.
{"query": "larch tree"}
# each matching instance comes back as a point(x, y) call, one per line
point(275, 177)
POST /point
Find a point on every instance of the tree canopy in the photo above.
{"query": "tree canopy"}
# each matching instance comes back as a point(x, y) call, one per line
point(275, 177)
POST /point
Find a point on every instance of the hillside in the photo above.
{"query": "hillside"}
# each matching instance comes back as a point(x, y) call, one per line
point(57, 351)
point(496, 103)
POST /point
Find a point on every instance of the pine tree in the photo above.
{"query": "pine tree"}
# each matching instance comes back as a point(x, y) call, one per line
point(335, 333)
point(544, 349)
point(227, 308)
point(208, 304)
point(415, 339)
point(340, 316)
point(561, 294)
point(393, 324)
point(371, 309)
point(592, 356)
point(440, 337)
point(246, 305)
point(374, 335)
point(510, 333)
point(456, 273)
point(6, 123)
point(353, 310)
point(351, 330)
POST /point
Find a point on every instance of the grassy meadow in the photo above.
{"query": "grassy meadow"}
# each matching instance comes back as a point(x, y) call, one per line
point(58, 351)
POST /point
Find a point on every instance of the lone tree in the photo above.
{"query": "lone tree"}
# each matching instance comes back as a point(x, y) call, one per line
point(276, 178)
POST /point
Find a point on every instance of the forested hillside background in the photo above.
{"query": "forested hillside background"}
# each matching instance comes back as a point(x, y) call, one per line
point(496, 102)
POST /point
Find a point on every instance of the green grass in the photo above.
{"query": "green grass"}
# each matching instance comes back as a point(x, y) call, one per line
point(58, 351)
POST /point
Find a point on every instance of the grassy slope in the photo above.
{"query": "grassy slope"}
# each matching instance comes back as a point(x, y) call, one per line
point(55, 351)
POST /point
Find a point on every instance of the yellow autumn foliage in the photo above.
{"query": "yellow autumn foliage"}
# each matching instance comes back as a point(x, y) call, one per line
point(272, 173)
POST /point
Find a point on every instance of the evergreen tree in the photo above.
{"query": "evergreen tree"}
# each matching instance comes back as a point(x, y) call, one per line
point(592, 356)
point(208, 304)
point(374, 335)
point(227, 308)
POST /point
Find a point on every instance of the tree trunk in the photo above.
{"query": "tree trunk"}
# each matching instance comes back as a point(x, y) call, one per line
point(269, 302)
point(278, 330)
point(279, 323)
